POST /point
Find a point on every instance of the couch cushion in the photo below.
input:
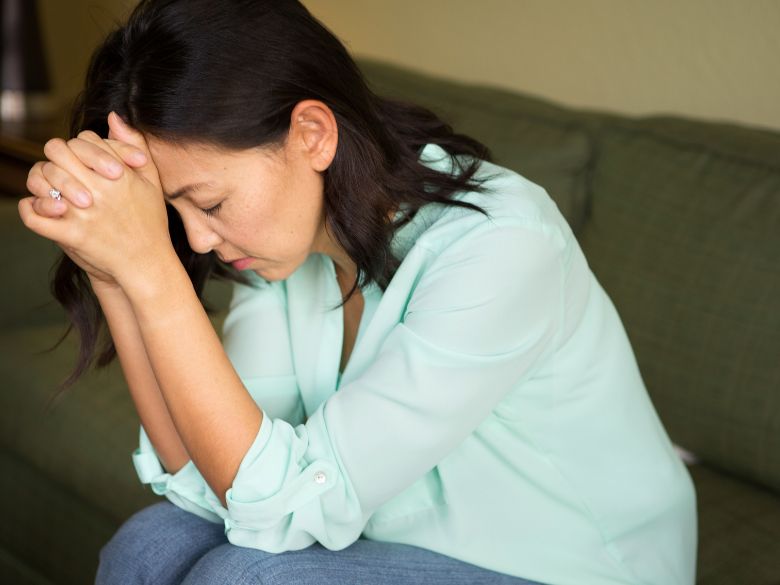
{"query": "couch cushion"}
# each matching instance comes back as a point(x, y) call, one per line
point(535, 138)
point(84, 440)
point(684, 237)
point(739, 530)
point(49, 533)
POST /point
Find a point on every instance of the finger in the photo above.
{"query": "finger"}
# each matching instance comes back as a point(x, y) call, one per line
point(118, 129)
point(58, 152)
point(51, 228)
point(122, 131)
point(69, 186)
point(39, 186)
point(49, 207)
point(131, 155)
point(96, 156)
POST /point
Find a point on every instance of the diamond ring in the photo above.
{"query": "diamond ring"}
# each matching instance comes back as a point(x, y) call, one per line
point(55, 194)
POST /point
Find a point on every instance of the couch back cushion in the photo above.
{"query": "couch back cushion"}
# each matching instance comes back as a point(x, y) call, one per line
point(684, 235)
point(535, 138)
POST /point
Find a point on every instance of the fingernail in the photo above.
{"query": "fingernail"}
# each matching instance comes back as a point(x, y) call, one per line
point(83, 199)
point(115, 168)
point(138, 157)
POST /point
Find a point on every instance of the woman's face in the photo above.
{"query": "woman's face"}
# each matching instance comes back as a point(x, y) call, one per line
point(267, 204)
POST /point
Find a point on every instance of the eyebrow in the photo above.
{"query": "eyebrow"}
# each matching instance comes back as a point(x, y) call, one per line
point(186, 189)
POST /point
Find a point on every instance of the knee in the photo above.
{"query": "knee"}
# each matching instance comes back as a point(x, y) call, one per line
point(118, 558)
point(121, 559)
point(239, 565)
point(133, 554)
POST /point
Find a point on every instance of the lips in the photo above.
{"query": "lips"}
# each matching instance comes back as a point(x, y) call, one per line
point(241, 263)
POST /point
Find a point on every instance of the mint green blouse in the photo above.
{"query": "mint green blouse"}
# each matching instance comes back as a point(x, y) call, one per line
point(492, 409)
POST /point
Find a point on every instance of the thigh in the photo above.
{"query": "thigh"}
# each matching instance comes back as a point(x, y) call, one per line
point(158, 544)
point(365, 562)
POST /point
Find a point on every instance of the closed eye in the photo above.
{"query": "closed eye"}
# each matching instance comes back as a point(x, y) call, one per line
point(211, 211)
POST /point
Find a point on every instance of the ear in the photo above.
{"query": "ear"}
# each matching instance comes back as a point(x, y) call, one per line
point(313, 128)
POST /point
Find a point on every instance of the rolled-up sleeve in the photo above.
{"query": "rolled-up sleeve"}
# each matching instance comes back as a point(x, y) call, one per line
point(291, 491)
point(186, 488)
point(482, 313)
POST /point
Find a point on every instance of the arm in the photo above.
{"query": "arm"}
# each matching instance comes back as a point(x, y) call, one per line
point(215, 416)
point(141, 382)
point(165, 464)
point(255, 338)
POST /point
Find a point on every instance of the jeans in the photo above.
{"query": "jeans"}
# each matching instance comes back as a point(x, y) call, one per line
point(165, 545)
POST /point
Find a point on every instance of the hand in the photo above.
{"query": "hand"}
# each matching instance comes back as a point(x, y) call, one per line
point(125, 228)
point(92, 150)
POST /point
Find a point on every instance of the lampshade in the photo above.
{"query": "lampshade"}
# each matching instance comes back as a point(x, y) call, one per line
point(23, 63)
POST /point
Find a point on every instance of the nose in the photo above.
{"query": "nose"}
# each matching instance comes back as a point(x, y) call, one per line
point(201, 237)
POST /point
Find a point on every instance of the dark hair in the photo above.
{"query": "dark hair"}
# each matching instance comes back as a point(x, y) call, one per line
point(229, 74)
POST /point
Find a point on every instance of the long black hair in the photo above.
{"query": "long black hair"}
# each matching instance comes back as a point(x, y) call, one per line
point(229, 74)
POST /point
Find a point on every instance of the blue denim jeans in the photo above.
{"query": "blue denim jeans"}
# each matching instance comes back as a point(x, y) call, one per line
point(165, 545)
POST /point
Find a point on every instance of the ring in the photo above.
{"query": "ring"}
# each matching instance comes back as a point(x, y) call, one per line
point(55, 194)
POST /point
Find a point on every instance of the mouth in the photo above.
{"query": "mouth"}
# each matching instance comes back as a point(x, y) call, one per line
point(241, 263)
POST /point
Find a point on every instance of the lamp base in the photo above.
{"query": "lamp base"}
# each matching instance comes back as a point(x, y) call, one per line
point(20, 106)
point(13, 105)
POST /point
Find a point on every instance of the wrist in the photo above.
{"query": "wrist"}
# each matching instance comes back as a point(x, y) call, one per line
point(104, 288)
point(156, 281)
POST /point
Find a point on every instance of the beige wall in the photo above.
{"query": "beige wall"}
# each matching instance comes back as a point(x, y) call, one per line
point(713, 59)
point(71, 30)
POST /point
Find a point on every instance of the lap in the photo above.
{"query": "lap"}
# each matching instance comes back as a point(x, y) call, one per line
point(163, 544)
point(365, 562)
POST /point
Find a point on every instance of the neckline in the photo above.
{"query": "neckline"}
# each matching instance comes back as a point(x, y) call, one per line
point(371, 295)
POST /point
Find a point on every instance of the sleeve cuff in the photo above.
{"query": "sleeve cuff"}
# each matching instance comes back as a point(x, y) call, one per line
point(186, 488)
point(263, 505)
point(274, 501)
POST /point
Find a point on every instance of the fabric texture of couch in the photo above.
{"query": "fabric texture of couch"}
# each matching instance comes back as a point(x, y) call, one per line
point(679, 220)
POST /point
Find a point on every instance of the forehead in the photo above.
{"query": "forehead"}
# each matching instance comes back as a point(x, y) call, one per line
point(175, 155)
point(181, 164)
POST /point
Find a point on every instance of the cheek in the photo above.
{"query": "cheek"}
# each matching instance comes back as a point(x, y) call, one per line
point(310, 203)
point(252, 227)
point(281, 221)
point(298, 210)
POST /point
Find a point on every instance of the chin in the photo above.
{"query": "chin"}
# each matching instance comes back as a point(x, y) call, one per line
point(278, 271)
point(270, 275)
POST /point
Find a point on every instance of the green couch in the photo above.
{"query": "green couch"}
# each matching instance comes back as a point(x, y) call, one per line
point(680, 221)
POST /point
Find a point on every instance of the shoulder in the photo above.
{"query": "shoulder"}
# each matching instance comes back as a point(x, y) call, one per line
point(513, 203)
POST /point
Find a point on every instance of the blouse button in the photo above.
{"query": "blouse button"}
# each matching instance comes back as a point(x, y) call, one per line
point(320, 477)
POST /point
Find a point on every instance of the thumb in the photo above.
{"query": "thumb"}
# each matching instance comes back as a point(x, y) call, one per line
point(124, 132)
point(119, 130)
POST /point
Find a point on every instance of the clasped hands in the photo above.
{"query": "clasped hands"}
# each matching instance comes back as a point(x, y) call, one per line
point(111, 220)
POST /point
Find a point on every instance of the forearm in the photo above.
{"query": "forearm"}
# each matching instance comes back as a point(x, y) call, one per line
point(143, 386)
point(214, 414)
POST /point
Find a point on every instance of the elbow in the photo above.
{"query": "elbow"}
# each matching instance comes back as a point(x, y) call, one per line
point(220, 490)
point(224, 475)
point(173, 466)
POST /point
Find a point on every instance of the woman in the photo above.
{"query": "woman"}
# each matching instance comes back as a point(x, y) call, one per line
point(421, 380)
